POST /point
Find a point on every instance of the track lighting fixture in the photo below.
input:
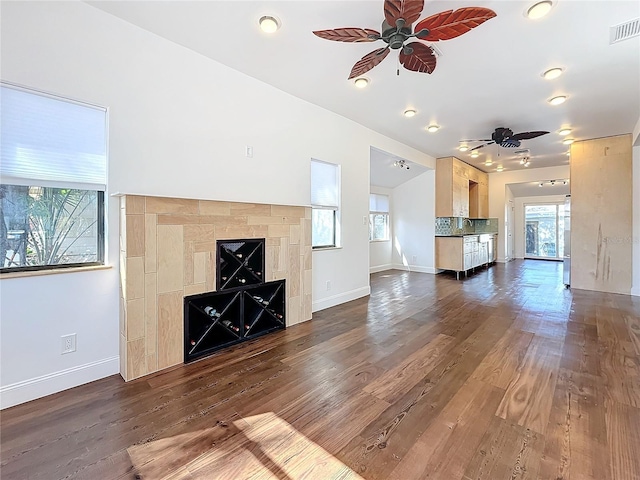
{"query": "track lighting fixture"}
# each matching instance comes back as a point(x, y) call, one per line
point(401, 164)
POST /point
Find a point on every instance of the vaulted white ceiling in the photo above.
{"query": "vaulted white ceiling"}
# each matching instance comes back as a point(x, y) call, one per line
point(487, 78)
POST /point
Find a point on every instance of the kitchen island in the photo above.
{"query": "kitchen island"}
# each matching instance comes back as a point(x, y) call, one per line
point(461, 253)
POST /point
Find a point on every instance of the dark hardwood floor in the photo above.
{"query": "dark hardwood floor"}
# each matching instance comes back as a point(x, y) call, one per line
point(504, 375)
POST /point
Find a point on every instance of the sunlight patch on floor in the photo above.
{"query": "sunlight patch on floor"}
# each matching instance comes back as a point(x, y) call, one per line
point(263, 446)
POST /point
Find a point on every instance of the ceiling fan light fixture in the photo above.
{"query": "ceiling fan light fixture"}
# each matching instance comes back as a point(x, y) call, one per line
point(433, 128)
point(568, 141)
point(269, 24)
point(552, 73)
point(564, 132)
point(361, 82)
point(410, 113)
point(539, 10)
point(560, 99)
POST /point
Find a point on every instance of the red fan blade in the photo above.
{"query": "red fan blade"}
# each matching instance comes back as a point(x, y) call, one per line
point(369, 61)
point(527, 135)
point(409, 10)
point(422, 59)
point(451, 24)
point(350, 34)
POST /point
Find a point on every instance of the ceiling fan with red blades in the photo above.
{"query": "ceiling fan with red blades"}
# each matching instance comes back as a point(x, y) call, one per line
point(506, 138)
point(399, 16)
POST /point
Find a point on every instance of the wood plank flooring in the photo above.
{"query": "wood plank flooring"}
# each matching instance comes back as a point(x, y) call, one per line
point(505, 375)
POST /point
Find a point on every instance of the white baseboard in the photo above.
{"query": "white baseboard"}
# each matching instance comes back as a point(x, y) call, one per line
point(635, 291)
point(345, 297)
point(415, 268)
point(27, 390)
point(380, 268)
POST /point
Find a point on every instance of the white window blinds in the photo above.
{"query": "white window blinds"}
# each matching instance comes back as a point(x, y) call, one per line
point(378, 203)
point(325, 185)
point(47, 141)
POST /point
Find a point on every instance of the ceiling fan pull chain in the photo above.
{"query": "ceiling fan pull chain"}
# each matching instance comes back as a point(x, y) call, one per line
point(398, 66)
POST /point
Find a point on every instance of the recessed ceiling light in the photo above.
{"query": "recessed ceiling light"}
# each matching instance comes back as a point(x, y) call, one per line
point(475, 154)
point(463, 148)
point(557, 100)
point(539, 9)
point(564, 182)
point(489, 162)
point(410, 113)
point(500, 168)
point(433, 128)
point(568, 154)
point(568, 141)
point(564, 131)
point(361, 82)
point(269, 24)
point(552, 73)
point(541, 184)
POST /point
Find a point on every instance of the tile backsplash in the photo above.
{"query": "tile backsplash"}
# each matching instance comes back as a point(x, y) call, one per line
point(465, 226)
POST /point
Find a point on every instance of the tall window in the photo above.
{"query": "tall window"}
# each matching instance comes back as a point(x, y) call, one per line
point(325, 202)
point(53, 169)
point(378, 217)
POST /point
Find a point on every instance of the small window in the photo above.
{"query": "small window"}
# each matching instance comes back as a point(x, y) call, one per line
point(378, 217)
point(325, 196)
point(52, 181)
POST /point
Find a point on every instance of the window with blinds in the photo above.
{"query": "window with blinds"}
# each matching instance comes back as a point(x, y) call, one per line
point(53, 171)
point(325, 203)
point(378, 217)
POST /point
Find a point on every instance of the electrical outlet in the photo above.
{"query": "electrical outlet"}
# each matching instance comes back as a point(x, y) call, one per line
point(328, 285)
point(68, 343)
point(248, 151)
point(488, 222)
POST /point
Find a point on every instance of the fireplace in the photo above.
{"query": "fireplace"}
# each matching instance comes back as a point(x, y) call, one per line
point(243, 307)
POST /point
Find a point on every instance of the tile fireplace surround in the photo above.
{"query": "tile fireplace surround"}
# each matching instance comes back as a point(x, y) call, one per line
point(168, 251)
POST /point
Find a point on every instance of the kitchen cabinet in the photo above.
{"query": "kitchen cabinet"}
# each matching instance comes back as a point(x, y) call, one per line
point(460, 254)
point(461, 190)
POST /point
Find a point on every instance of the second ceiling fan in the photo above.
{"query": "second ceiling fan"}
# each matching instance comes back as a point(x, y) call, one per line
point(506, 138)
point(399, 16)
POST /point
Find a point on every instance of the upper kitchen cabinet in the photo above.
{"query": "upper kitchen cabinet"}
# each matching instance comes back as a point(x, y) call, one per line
point(461, 190)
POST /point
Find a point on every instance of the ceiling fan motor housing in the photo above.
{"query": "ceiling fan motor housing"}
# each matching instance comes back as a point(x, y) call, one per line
point(394, 37)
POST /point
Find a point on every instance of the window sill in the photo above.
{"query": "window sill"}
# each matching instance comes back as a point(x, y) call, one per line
point(378, 241)
point(322, 249)
point(53, 271)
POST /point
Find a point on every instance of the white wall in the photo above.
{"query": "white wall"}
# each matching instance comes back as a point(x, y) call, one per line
point(497, 191)
point(380, 251)
point(414, 217)
point(519, 222)
point(179, 123)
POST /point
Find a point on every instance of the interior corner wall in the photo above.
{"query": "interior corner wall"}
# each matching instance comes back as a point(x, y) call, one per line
point(380, 251)
point(178, 126)
point(635, 289)
point(414, 219)
point(519, 222)
point(497, 193)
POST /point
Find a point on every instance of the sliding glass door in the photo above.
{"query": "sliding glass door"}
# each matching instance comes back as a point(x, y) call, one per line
point(544, 231)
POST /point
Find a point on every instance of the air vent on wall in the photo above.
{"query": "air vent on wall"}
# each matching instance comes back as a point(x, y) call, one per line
point(624, 31)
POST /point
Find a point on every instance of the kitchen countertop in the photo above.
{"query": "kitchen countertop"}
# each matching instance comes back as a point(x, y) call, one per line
point(466, 235)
